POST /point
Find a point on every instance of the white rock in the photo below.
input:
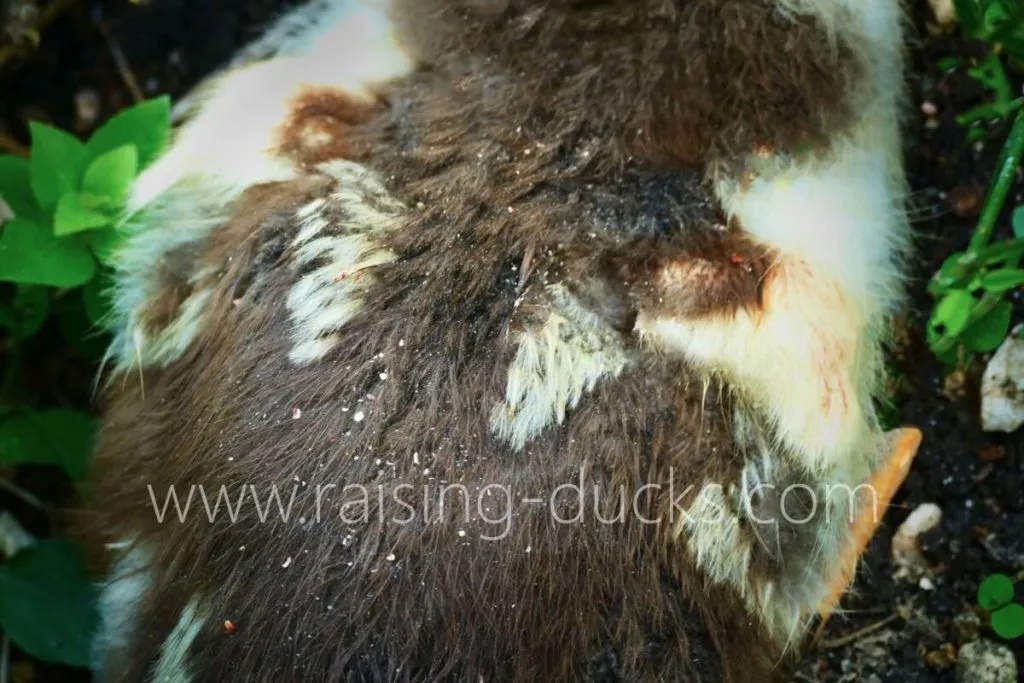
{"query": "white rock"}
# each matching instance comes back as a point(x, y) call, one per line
point(906, 554)
point(1002, 386)
point(986, 662)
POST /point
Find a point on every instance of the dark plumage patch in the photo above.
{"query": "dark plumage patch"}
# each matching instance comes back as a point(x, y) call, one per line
point(671, 80)
point(174, 285)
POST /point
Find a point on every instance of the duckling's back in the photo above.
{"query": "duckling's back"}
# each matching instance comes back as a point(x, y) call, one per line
point(410, 381)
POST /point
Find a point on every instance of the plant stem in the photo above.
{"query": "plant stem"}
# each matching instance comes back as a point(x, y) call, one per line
point(1009, 161)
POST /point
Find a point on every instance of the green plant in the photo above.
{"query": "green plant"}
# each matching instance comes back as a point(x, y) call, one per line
point(972, 314)
point(1000, 24)
point(67, 201)
point(996, 22)
point(995, 595)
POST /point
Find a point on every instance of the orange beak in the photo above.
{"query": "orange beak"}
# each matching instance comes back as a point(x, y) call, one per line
point(886, 481)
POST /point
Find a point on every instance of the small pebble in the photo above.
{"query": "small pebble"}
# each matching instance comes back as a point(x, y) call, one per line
point(906, 553)
point(984, 661)
point(87, 108)
point(1002, 386)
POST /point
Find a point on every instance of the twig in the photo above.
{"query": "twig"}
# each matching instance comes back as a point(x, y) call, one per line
point(858, 634)
point(18, 492)
point(49, 15)
point(127, 75)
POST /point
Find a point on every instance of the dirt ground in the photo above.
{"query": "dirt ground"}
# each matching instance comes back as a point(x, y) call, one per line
point(892, 630)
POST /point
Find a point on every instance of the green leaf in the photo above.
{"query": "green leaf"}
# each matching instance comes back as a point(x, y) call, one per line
point(952, 312)
point(994, 15)
point(1003, 280)
point(146, 125)
point(48, 604)
point(1007, 250)
point(30, 307)
point(59, 437)
point(970, 15)
point(950, 275)
point(57, 163)
point(1018, 222)
point(989, 332)
point(111, 174)
point(16, 187)
point(995, 592)
point(74, 216)
point(105, 243)
point(1008, 622)
point(31, 254)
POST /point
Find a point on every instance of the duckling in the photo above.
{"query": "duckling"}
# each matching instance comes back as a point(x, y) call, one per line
point(507, 340)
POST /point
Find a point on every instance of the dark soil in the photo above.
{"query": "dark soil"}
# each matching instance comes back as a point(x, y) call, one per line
point(73, 81)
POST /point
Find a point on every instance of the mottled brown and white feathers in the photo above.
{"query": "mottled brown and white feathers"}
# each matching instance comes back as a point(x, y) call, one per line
point(648, 247)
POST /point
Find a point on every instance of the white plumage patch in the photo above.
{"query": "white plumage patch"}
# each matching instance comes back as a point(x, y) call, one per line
point(554, 367)
point(791, 523)
point(336, 244)
point(804, 360)
point(175, 221)
point(119, 600)
point(230, 144)
point(837, 222)
point(715, 537)
point(173, 665)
